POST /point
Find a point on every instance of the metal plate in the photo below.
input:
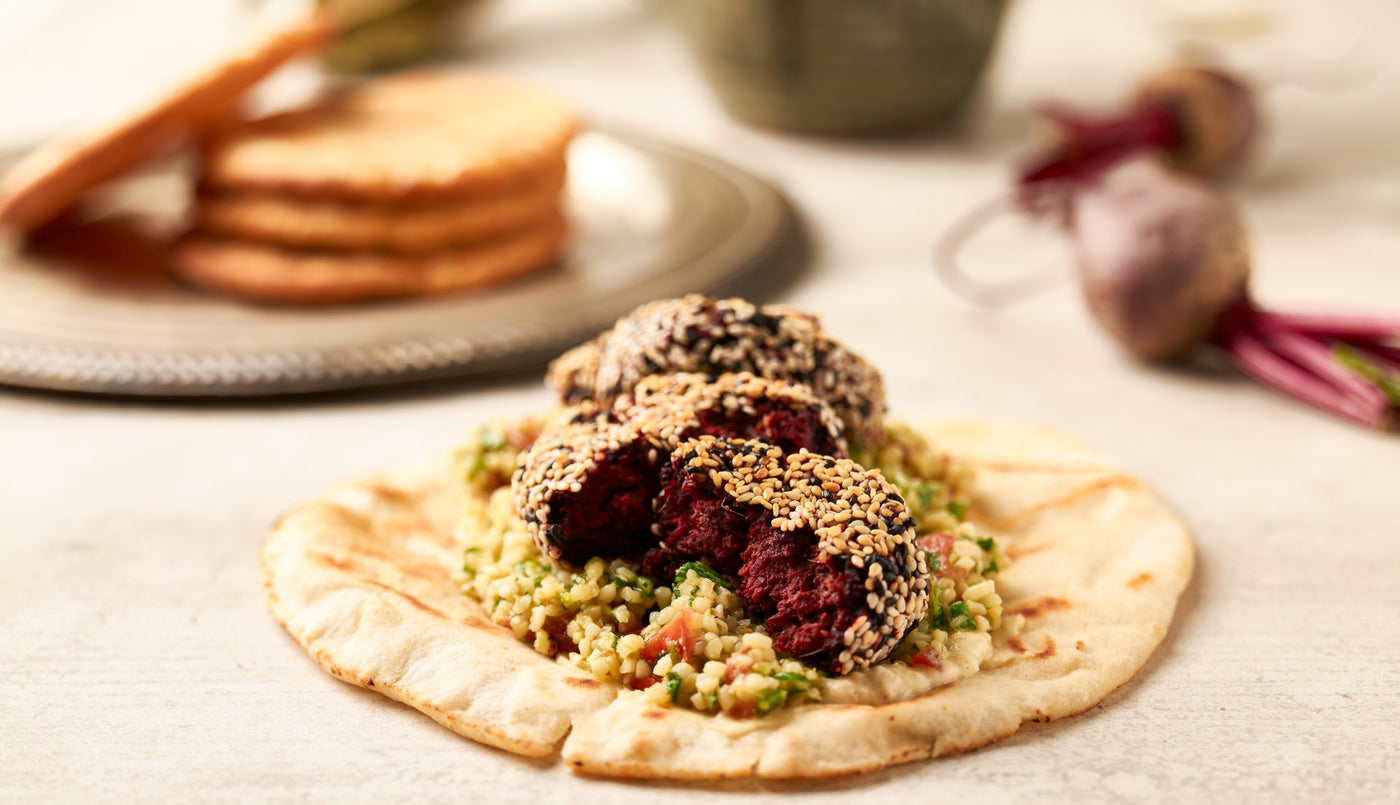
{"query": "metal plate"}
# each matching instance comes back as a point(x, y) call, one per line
point(650, 220)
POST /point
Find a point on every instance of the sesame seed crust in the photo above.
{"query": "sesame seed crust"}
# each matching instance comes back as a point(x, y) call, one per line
point(859, 520)
point(712, 336)
point(642, 429)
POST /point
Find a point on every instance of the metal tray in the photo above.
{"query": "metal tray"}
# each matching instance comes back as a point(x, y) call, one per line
point(650, 220)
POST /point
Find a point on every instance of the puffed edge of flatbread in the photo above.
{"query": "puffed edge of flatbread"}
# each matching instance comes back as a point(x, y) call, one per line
point(1100, 564)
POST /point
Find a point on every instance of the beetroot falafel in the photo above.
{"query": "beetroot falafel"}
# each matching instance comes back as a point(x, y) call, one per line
point(713, 336)
point(586, 487)
point(821, 549)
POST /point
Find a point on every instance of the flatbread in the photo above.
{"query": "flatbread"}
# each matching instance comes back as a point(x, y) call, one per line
point(267, 273)
point(52, 178)
point(403, 229)
point(363, 579)
point(418, 135)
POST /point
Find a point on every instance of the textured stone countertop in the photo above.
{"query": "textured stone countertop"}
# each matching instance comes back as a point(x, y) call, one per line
point(140, 664)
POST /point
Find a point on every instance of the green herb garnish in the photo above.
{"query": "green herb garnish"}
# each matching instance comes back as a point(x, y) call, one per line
point(986, 544)
point(702, 570)
point(799, 680)
point(962, 618)
point(925, 495)
point(467, 566)
point(672, 685)
point(771, 699)
point(934, 560)
point(938, 611)
point(957, 509)
point(492, 437)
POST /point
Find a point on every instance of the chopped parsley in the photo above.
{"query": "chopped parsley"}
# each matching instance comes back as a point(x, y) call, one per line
point(957, 509)
point(924, 492)
point(799, 681)
point(467, 566)
point(641, 584)
point(492, 437)
point(771, 699)
point(934, 560)
point(938, 611)
point(672, 685)
point(703, 571)
point(962, 618)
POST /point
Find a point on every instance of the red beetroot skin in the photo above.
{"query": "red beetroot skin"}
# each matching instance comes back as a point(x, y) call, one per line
point(806, 604)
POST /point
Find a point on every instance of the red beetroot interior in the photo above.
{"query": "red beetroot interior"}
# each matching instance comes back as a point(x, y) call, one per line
point(611, 515)
point(806, 604)
point(789, 429)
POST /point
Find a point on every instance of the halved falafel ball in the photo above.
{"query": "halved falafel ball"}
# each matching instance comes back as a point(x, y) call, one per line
point(585, 488)
point(821, 549)
point(713, 336)
point(739, 404)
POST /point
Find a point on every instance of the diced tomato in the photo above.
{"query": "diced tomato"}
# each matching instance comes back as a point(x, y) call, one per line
point(737, 666)
point(942, 545)
point(523, 434)
point(743, 709)
point(556, 628)
point(679, 634)
point(642, 683)
point(927, 659)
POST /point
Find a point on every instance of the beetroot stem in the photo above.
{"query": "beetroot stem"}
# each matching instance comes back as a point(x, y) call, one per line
point(1387, 356)
point(1335, 325)
point(1256, 359)
point(1092, 145)
point(1321, 361)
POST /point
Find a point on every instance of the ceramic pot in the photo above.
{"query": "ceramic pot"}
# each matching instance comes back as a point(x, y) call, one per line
point(842, 67)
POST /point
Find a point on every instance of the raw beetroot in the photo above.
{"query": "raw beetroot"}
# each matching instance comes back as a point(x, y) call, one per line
point(1164, 258)
point(1164, 264)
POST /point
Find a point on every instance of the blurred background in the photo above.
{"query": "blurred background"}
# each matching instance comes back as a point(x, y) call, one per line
point(882, 139)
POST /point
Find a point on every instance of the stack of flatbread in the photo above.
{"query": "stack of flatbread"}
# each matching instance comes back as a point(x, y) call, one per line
point(418, 183)
point(413, 184)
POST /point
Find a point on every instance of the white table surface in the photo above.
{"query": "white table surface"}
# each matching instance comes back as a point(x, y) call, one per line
point(140, 665)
